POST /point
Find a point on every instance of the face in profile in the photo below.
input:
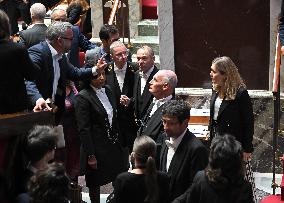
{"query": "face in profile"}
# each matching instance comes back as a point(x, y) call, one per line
point(99, 81)
point(216, 76)
point(156, 85)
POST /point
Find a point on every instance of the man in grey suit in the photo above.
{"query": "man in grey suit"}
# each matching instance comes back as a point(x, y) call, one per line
point(35, 32)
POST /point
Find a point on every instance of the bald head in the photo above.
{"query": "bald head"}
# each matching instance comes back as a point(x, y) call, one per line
point(163, 84)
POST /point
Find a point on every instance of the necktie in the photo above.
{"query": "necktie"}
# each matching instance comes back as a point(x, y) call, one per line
point(169, 144)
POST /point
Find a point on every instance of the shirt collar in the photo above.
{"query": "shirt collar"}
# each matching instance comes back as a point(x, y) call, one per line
point(148, 73)
point(176, 141)
point(123, 69)
point(54, 53)
point(100, 90)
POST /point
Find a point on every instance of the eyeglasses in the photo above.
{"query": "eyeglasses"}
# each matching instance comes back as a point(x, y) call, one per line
point(67, 38)
point(120, 55)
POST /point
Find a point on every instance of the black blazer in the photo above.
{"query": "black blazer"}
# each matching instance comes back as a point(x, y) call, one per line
point(126, 117)
point(190, 157)
point(202, 192)
point(94, 131)
point(33, 35)
point(142, 102)
point(15, 67)
point(235, 117)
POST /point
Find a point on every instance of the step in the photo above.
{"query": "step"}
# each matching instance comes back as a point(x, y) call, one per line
point(148, 28)
point(151, 41)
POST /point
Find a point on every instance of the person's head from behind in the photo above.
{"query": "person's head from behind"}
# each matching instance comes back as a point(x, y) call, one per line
point(163, 84)
point(145, 58)
point(119, 53)
point(108, 34)
point(175, 117)
point(225, 76)
point(50, 185)
point(38, 12)
point(58, 14)
point(225, 161)
point(60, 36)
point(144, 152)
point(92, 56)
point(5, 30)
point(41, 144)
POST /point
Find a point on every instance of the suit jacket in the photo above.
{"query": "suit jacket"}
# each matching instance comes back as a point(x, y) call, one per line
point(33, 35)
point(42, 86)
point(79, 41)
point(235, 117)
point(142, 102)
point(15, 67)
point(94, 131)
point(202, 191)
point(190, 157)
point(125, 114)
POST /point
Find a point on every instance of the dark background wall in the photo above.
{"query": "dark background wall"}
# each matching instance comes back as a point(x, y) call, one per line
point(205, 29)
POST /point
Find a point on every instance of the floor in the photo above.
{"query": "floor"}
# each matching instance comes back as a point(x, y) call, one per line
point(262, 182)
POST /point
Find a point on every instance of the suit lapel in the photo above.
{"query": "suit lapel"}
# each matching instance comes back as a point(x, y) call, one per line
point(163, 157)
point(213, 99)
point(223, 106)
point(95, 100)
point(126, 80)
point(49, 67)
point(179, 155)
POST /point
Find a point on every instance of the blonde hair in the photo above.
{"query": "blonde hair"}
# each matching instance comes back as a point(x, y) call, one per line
point(233, 80)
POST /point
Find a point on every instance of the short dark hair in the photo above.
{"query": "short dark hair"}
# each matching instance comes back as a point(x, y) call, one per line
point(50, 185)
point(225, 161)
point(177, 108)
point(106, 30)
point(5, 29)
point(40, 141)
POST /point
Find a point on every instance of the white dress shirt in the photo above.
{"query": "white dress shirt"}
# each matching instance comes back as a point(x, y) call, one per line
point(172, 145)
point(56, 69)
point(120, 75)
point(105, 102)
point(158, 103)
point(217, 105)
point(144, 78)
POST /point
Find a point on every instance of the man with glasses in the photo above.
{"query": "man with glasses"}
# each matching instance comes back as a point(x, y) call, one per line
point(79, 41)
point(120, 77)
point(54, 69)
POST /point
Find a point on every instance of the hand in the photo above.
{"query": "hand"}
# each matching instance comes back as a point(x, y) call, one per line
point(41, 105)
point(101, 65)
point(92, 161)
point(282, 50)
point(124, 100)
point(246, 156)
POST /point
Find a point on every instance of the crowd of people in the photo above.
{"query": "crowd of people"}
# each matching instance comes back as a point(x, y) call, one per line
point(121, 120)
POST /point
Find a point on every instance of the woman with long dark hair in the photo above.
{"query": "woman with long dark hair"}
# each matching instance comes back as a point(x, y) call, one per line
point(223, 179)
point(144, 183)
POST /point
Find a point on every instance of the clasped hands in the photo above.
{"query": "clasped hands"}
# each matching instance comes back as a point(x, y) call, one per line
point(45, 105)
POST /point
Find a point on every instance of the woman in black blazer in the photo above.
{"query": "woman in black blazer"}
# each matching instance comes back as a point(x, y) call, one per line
point(230, 106)
point(102, 156)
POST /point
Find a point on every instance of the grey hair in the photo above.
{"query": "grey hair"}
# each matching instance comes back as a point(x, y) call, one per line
point(149, 50)
point(169, 77)
point(38, 11)
point(4, 25)
point(115, 44)
point(92, 56)
point(55, 10)
point(56, 30)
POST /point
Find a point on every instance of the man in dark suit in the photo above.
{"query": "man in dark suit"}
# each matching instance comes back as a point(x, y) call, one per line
point(54, 69)
point(79, 42)
point(162, 87)
point(183, 154)
point(36, 32)
point(142, 98)
point(120, 78)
